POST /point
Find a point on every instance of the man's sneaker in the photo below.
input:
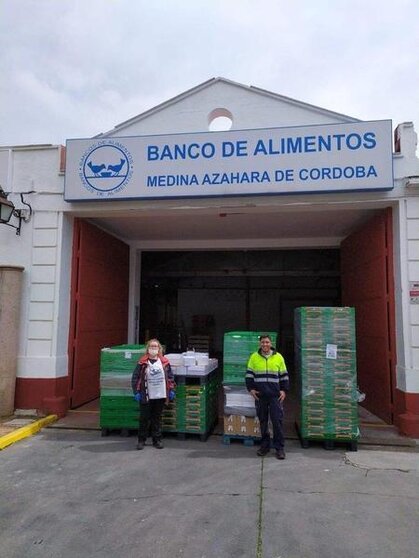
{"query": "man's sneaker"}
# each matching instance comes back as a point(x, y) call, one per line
point(280, 454)
point(262, 451)
point(140, 445)
point(157, 444)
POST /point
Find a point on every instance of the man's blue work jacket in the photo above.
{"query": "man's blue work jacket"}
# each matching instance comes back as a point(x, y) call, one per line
point(267, 375)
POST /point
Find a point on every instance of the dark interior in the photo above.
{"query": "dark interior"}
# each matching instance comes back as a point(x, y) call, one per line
point(185, 294)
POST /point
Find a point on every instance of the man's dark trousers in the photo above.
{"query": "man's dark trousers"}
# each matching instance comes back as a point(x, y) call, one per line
point(270, 407)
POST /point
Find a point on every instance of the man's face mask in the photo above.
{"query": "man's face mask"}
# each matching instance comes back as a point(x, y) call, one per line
point(153, 352)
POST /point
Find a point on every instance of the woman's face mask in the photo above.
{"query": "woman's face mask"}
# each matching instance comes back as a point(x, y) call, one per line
point(153, 352)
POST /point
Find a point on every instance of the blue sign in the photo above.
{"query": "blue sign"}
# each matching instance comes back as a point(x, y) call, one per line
point(310, 159)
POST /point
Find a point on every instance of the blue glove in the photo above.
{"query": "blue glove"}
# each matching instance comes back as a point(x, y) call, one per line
point(172, 394)
point(137, 396)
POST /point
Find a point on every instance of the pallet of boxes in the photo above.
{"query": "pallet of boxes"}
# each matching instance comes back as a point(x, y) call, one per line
point(118, 409)
point(240, 420)
point(326, 371)
point(194, 411)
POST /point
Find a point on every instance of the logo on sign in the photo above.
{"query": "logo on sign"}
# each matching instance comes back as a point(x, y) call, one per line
point(106, 168)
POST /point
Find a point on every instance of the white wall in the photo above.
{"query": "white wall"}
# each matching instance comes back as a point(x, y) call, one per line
point(412, 230)
point(44, 350)
point(44, 249)
point(406, 238)
point(250, 109)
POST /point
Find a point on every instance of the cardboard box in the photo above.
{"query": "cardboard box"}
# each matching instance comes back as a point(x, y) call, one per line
point(239, 425)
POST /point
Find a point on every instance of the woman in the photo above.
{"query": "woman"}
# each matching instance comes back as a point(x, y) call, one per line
point(153, 386)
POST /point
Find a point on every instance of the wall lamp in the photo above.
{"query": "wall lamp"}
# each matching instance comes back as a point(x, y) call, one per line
point(8, 210)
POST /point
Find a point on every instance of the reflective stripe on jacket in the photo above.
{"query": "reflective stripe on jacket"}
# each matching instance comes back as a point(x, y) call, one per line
point(267, 375)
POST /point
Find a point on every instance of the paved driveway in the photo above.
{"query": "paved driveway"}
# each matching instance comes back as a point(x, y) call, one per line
point(67, 493)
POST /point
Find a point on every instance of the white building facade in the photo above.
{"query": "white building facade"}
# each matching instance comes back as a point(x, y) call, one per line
point(286, 176)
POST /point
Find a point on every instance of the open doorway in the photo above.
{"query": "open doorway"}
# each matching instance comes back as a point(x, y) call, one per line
point(184, 294)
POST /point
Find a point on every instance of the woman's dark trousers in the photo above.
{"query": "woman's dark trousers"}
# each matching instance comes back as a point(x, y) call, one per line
point(150, 419)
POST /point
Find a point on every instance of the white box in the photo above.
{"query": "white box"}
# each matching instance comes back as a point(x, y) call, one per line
point(179, 370)
point(203, 370)
point(189, 360)
point(197, 371)
point(212, 364)
point(175, 359)
point(202, 359)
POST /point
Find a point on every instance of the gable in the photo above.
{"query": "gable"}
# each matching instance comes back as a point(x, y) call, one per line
point(250, 108)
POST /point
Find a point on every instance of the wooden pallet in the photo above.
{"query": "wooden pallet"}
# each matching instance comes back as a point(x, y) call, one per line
point(246, 440)
point(203, 436)
point(328, 444)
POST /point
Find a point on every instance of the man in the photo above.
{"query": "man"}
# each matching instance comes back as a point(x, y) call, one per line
point(267, 381)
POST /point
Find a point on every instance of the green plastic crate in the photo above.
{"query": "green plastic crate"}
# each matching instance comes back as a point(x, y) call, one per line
point(120, 359)
point(238, 346)
point(327, 381)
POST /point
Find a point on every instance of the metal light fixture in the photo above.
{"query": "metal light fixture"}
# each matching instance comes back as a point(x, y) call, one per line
point(8, 210)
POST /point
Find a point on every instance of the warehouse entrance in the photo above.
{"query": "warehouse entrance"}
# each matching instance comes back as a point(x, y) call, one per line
point(195, 297)
point(191, 298)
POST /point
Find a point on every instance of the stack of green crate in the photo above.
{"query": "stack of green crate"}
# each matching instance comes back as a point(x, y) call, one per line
point(118, 409)
point(196, 400)
point(172, 411)
point(238, 346)
point(326, 366)
point(180, 404)
point(169, 417)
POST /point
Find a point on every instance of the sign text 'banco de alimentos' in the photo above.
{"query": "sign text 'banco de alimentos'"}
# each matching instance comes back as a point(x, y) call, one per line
point(308, 159)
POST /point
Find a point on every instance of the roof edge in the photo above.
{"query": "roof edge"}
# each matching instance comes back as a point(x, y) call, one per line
point(160, 106)
point(203, 85)
point(303, 104)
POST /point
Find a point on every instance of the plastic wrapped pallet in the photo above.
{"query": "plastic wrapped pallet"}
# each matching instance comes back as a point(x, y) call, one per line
point(120, 359)
point(238, 346)
point(194, 409)
point(117, 406)
point(110, 381)
point(202, 369)
point(326, 366)
point(238, 401)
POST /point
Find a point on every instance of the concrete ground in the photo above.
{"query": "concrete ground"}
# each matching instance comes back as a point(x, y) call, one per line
point(373, 431)
point(72, 493)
